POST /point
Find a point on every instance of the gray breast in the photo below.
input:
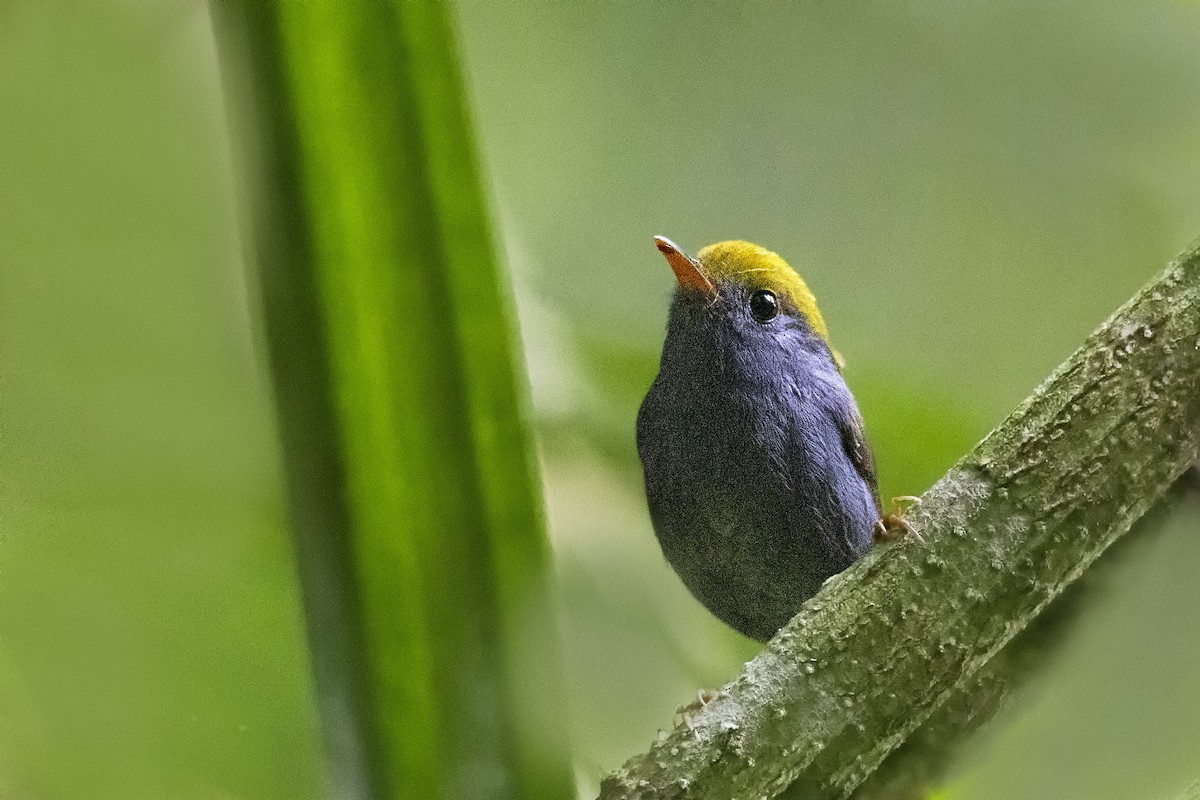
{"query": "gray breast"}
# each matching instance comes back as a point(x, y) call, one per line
point(751, 494)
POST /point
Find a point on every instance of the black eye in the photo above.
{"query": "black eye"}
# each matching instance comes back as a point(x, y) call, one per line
point(763, 306)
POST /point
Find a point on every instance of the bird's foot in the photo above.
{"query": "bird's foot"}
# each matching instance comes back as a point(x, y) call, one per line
point(893, 526)
point(685, 712)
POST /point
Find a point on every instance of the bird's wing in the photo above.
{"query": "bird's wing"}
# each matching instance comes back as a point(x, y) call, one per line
point(854, 439)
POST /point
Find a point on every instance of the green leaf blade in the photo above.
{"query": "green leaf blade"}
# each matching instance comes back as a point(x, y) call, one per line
point(437, 505)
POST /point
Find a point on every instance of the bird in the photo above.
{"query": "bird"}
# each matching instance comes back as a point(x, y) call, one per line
point(759, 479)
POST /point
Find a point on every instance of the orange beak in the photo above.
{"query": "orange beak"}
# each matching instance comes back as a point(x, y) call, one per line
point(686, 270)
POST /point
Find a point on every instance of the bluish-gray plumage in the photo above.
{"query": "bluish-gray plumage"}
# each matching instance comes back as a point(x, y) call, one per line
point(759, 481)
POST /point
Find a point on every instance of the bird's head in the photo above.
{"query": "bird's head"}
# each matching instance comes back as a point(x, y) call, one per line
point(748, 285)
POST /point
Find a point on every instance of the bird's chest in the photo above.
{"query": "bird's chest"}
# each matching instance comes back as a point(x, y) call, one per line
point(752, 496)
point(730, 456)
point(736, 510)
point(745, 443)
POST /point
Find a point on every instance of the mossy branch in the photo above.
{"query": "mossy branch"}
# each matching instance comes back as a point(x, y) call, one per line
point(869, 659)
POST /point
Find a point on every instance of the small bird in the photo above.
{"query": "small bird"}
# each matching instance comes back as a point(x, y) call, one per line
point(759, 478)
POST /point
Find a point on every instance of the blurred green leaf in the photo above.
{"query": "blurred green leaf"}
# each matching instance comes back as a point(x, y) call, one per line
point(414, 493)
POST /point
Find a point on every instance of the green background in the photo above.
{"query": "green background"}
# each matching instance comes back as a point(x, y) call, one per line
point(968, 191)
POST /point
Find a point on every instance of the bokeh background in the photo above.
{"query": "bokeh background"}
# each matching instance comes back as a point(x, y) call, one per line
point(969, 191)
